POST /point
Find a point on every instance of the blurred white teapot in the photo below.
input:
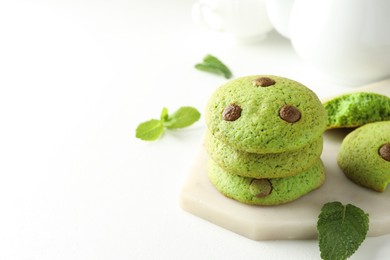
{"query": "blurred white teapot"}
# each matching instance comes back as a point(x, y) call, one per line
point(347, 40)
point(245, 20)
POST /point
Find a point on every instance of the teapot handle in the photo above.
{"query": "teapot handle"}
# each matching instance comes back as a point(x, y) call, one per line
point(279, 15)
point(207, 15)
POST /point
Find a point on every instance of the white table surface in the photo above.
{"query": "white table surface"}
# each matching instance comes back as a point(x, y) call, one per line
point(76, 78)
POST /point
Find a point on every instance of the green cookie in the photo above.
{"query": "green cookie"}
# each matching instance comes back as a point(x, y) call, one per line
point(265, 114)
point(272, 165)
point(364, 155)
point(356, 109)
point(266, 191)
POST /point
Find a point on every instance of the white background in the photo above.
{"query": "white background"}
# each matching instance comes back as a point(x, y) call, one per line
point(76, 78)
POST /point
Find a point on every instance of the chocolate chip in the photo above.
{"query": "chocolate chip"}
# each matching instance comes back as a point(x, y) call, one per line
point(384, 151)
point(260, 187)
point(290, 114)
point(231, 113)
point(264, 82)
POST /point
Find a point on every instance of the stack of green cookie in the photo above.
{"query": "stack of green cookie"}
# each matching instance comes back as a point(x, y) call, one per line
point(265, 140)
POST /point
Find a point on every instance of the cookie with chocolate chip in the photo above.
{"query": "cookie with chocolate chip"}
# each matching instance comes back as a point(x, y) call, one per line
point(271, 165)
point(265, 114)
point(265, 191)
point(364, 155)
point(356, 109)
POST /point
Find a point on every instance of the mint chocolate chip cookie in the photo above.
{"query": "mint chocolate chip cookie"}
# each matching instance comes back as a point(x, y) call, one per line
point(266, 191)
point(356, 109)
point(364, 155)
point(265, 140)
point(265, 114)
point(271, 165)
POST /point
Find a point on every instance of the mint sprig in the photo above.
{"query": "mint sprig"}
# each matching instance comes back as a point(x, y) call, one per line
point(183, 117)
point(150, 130)
point(154, 128)
point(213, 65)
point(341, 230)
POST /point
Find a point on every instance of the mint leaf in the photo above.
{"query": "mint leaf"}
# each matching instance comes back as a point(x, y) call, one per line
point(209, 68)
point(183, 117)
point(341, 230)
point(164, 114)
point(150, 130)
point(214, 65)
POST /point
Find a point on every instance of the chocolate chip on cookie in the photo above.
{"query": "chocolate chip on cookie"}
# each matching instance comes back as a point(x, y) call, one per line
point(290, 114)
point(260, 187)
point(231, 113)
point(384, 151)
point(264, 82)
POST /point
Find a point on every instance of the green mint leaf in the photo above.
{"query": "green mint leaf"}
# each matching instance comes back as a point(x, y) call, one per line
point(214, 65)
point(183, 117)
point(215, 62)
point(164, 114)
point(150, 130)
point(209, 68)
point(341, 230)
